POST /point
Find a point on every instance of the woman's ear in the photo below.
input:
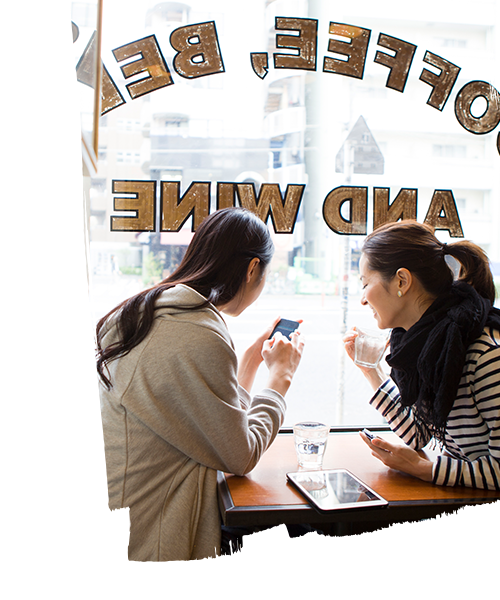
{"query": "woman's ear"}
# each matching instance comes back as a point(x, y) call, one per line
point(404, 279)
point(253, 269)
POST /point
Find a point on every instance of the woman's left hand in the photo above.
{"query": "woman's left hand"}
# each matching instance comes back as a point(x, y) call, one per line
point(400, 457)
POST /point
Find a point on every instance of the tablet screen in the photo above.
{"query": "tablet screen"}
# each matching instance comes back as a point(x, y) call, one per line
point(335, 489)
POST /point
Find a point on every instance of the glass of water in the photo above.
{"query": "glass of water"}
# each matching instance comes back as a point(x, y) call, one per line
point(369, 347)
point(310, 443)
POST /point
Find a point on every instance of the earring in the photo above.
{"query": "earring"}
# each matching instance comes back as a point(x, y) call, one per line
point(400, 294)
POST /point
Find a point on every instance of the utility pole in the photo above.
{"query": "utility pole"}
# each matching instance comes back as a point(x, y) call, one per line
point(359, 154)
point(344, 289)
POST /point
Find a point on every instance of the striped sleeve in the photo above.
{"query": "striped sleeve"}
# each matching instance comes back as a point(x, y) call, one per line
point(400, 419)
point(478, 437)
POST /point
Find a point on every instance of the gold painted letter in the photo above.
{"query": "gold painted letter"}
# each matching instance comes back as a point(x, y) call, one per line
point(399, 64)
point(355, 50)
point(176, 210)
point(198, 52)
point(270, 201)
point(443, 83)
point(151, 61)
point(403, 207)
point(305, 42)
point(85, 73)
point(443, 214)
point(332, 207)
point(463, 104)
point(141, 202)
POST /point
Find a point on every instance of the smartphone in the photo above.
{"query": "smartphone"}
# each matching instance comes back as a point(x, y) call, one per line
point(285, 327)
point(371, 436)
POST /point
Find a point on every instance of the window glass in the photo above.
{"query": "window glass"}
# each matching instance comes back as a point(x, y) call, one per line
point(356, 104)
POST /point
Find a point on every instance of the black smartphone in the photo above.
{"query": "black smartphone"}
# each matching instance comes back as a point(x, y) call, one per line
point(285, 327)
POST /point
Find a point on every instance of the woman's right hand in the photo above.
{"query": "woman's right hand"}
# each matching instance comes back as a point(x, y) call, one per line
point(349, 340)
point(282, 357)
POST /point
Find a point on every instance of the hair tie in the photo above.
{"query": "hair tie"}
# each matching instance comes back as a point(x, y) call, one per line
point(444, 248)
point(453, 264)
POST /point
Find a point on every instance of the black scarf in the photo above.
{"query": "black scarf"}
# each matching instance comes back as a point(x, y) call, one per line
point(428, 359)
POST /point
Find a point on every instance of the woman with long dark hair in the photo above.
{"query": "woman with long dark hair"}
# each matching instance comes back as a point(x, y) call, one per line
point(444, 354)
point(175, 402)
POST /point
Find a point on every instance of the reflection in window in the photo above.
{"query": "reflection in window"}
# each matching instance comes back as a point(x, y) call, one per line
point(289, 128)
point(449, 151)
point(165, 13)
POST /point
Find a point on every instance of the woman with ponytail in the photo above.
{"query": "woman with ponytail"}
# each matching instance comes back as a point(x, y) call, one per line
point(175, 404)
point(444, 355)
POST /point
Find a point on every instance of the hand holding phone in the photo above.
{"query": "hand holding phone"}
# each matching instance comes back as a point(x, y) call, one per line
point(371, 436)
point(282, 358)
point(285, 327)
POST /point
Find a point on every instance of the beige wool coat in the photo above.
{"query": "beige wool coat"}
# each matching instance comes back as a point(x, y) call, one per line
point(174, 416)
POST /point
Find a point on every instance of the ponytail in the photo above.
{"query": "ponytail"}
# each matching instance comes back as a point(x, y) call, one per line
point(414, 246)
point(474, 267)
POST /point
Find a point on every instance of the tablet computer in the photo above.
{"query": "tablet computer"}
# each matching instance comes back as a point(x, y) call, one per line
point(335, 489)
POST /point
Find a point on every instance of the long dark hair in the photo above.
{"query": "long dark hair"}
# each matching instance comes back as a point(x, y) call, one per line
point(412, 245)
point(215, 265)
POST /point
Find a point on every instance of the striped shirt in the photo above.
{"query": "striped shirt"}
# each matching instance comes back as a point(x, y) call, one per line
point(472, 438)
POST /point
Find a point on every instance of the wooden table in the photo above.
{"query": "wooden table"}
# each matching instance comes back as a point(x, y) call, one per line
point(264, 498)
